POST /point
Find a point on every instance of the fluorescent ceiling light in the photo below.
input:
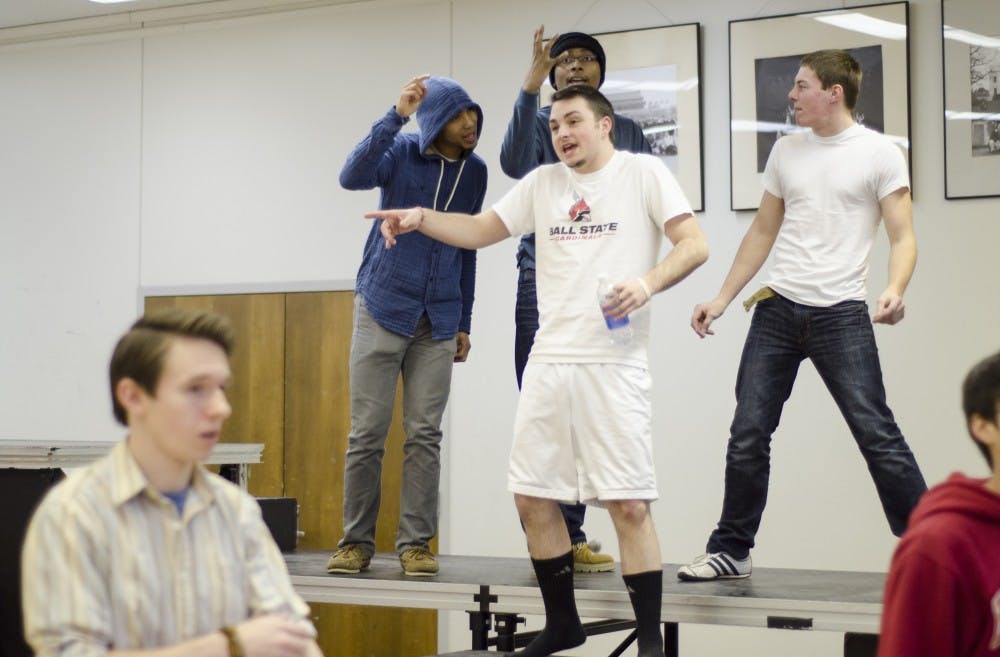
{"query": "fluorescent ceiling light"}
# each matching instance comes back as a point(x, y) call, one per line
point(108, 2)
point(864, 24)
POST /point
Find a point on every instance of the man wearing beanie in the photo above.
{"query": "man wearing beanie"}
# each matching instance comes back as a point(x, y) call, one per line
point(571, 58)
point(412, 314)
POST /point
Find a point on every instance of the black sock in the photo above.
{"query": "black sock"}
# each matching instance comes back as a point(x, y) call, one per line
point(645, 590)
point(562, 624)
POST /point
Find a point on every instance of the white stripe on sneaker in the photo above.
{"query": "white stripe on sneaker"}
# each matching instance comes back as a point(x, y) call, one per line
point(728, 566)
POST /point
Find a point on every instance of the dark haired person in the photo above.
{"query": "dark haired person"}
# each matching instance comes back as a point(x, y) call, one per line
point(571, 58)
point(597, 211)
point(826, 190)
point(145, 551)
point(942, 597)
point(412, 315)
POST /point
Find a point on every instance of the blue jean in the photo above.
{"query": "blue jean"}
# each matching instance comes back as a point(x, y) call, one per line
point(525, 326)
point(378, 357)
point(840, 342)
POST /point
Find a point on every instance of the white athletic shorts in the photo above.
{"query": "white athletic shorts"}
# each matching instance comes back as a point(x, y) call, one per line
point(583, 432)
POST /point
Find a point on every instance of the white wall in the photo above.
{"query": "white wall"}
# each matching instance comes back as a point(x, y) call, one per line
point(69, 232)
point(208, 155)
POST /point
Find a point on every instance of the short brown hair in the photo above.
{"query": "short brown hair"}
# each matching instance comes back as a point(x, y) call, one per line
point(836, 67)
point(981, 395)
point(140, 352)
point(598, 102)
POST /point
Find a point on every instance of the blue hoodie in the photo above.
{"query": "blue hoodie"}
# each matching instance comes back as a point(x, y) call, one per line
point(419, 275)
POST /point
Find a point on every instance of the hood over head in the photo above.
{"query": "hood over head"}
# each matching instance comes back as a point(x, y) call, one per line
point(445, 98)
point(963, 495)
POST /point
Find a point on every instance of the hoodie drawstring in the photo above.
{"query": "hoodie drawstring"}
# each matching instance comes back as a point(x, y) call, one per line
point(453, 187)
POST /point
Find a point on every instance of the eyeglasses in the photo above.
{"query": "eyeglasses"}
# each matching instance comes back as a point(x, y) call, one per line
point(569, 60)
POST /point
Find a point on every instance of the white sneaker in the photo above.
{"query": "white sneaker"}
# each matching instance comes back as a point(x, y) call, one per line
point(715, 565)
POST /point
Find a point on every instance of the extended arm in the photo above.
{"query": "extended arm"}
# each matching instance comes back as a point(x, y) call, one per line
point(522, 149)
point(465, 231)
point(897, 213)
point(753, 251)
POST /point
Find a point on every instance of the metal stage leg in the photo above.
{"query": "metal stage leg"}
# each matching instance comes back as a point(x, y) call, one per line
point(506, 626)
point(860, 645)
point(671, 636)
point(481, 621)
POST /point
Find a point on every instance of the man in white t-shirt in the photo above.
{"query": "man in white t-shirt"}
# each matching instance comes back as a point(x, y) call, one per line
point(825, 192)
point(582, 430)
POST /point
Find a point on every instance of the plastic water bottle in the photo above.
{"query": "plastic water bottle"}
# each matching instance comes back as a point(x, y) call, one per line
point(619, 330)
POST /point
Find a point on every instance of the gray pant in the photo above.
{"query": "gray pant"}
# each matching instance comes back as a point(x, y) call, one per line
point(377, 358)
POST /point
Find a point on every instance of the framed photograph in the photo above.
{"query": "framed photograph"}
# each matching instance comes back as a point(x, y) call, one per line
point(764, 56)
point(653, 77)
point(970, 47)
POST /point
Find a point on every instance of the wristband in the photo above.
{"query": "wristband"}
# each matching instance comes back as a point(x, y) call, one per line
point(645, 288)
point(235, 647)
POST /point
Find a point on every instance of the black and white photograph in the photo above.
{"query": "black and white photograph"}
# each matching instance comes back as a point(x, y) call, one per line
point(984, 78)
point(648, 96)
point(656, 82)
point(764, 56)
point(774, 77)
point(970, 47)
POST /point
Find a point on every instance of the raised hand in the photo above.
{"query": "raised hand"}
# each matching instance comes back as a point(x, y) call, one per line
point(541, 61)
point(411, 96)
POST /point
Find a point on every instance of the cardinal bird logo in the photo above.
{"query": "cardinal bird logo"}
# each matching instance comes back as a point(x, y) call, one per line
point(580, 211)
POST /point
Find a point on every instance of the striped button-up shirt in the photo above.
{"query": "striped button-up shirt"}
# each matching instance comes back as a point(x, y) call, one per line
point(109, 564)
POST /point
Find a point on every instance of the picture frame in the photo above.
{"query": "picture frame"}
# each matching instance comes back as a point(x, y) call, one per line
point(653, 77)
point(970, 54)
point(764, 58)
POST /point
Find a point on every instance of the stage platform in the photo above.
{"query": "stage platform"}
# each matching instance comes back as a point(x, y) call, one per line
point(837, 601)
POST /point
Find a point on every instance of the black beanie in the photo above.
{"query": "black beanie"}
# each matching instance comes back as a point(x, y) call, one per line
point(577, 40)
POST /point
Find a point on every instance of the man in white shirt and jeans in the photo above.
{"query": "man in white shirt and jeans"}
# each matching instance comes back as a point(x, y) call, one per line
point(825, 192)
